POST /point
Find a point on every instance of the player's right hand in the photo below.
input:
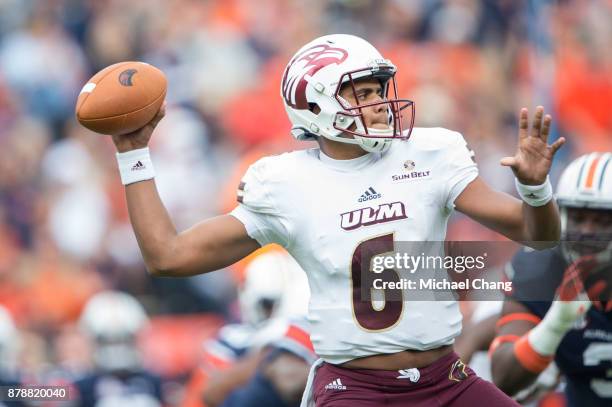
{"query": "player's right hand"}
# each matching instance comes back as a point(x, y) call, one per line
point(139, 138)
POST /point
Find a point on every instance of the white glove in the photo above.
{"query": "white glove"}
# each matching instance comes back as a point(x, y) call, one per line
point(570, 304)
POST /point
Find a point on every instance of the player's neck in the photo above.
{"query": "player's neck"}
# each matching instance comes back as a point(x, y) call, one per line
point(340, 151)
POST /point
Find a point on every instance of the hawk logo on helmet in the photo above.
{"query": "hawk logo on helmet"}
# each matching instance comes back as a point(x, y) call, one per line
point(309, 63)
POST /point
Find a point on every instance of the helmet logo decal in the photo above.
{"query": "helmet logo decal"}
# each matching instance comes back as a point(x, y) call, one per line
point(309, 63)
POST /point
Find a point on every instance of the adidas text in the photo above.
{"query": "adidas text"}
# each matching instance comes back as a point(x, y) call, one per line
point(368, 195)
point(335, 385)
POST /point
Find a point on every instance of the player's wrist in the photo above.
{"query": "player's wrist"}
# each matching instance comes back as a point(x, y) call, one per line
point(535, 195)
point(529, 357)
point(129, 147)
point(135, 165)
point(536, 349)
point(123, 143)
point(546, 337)
point(560, 318)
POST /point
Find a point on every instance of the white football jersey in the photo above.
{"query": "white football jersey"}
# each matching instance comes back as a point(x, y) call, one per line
point(323, 210)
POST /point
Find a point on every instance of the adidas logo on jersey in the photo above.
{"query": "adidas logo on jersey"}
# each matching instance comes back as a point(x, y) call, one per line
point(368, 195)
point(335, 385)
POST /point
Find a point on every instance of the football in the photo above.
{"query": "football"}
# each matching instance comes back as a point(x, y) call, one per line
point(121, 98)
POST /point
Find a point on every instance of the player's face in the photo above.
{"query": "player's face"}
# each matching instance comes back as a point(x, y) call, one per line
point(589, 230)
point(589, 221)
point(368, 91)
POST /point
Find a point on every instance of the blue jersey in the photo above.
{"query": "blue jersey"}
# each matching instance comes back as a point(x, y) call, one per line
point(585, 353)
point(260, 391)
point(130, 388)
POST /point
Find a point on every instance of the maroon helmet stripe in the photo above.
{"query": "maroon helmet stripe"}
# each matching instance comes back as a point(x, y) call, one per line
point(307, 63)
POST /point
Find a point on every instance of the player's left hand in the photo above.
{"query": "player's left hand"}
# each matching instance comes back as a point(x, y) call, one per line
point(571, 300)
point(534, 155)
point(595, 273)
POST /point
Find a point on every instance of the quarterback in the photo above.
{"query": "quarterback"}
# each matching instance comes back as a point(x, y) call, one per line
point(374, 180)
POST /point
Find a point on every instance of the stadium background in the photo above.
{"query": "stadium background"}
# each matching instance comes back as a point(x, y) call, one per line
point(64, 232)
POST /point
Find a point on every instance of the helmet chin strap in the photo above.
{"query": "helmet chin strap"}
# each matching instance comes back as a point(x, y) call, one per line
point(380, 144)
point(371, 145)
point(375, 146)
point(388, 132)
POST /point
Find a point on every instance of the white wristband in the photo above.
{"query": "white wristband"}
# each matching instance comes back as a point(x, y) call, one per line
point(135, 166)
point(535, 195)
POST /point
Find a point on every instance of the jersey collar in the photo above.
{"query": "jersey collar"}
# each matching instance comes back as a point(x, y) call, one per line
point(351, 165)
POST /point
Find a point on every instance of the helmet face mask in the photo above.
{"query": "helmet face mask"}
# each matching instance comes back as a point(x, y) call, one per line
point(394, 106)
point(586, 232)
point(316, 75)
point(113, 320)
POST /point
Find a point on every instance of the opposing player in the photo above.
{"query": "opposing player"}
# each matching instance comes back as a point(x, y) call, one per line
point(279, 376)
point(373, 179)
point(274, 291)
point(112, 320)
point(576, 329)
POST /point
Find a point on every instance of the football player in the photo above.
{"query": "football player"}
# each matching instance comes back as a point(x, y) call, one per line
point(373, 180)
point(113, 320)
point(274, 290)
point(576, 328)
point(278, 376)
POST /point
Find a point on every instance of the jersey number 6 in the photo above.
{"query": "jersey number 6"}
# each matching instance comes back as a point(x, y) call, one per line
point(368, 317)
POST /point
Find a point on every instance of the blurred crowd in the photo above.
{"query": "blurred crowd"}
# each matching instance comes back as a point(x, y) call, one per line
point(469, 65)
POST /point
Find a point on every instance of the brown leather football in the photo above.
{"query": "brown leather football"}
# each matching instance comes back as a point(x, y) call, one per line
point(121, 98)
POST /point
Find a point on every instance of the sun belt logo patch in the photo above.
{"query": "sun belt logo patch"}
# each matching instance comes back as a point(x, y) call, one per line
point(308, 63)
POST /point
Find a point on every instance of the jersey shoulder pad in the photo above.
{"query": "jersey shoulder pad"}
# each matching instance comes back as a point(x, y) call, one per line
point(263, 182)
point(436, 138)
point(276, 168)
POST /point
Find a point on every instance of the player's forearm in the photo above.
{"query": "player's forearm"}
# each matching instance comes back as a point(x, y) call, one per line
point(509, 216)
point(508, 374)
point(537, 227)
point(223, 383)
point(152, 225)
point(542, 225)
